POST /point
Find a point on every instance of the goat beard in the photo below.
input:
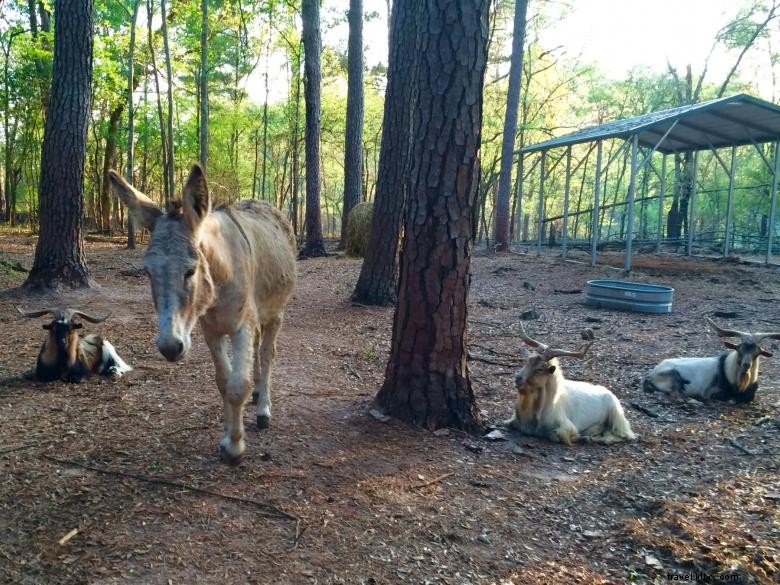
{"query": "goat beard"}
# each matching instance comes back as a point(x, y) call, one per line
point(744, 380)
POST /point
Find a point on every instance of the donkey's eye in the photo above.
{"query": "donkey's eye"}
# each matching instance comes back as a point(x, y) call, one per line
point(189, 274)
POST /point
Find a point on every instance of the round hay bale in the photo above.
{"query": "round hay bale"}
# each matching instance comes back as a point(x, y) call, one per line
point(359, 229)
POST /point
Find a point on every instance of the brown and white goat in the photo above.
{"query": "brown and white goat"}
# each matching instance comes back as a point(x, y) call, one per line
point(65, 355)
point(551, 407)
point(732, 375)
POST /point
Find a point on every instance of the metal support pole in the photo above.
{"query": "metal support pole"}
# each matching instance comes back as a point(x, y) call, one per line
point(631, 198)
point(692, 203)
point(594, 232)
point(565, 234)
point(730, 203)
point(773, 204)
point(519, 180)
point(540, 212)
point(661, 193)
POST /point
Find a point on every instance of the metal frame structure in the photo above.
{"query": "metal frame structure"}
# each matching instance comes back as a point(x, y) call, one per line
point(708, 126)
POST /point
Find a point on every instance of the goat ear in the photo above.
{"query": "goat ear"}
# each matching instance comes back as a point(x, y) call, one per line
point(195, 197)
point(551, 369)
point(730, 345)
point(78, 325)
point(143, 209)
point(47, 326)
point(765, 353)
point(524, 353)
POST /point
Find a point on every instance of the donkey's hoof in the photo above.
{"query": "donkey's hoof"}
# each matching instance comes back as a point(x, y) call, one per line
point(229, 458)
point(254, 397)
point(263, 421)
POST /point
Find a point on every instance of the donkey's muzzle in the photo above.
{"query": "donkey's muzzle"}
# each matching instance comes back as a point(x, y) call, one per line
point(172, 349)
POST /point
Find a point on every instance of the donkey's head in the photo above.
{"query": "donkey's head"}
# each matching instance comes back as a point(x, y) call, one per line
point(182, 287)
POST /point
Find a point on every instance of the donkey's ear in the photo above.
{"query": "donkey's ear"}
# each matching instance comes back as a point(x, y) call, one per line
point(143, 209)
point(195, 199)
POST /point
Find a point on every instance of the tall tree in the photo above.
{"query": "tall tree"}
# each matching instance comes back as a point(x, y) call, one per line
point(169, 92)
point(353, 137)
point(501, 228)
point(204, 85)
point(131, 83)
point(378, 278)
point(59, 255)
point(427, 381)
point(310, 15)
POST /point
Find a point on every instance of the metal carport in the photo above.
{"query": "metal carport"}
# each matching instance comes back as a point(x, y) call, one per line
point(726, 122)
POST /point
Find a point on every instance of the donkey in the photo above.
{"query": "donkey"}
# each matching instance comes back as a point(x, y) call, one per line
point(232, 269)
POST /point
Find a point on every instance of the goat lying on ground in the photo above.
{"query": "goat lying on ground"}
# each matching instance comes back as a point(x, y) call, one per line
point(552, 407)
point(67, 356)
point(730, 376)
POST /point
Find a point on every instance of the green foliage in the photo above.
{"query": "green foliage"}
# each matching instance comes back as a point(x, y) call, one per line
point(247, 41)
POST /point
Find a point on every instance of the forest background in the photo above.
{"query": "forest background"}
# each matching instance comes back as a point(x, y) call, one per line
point(583, 65)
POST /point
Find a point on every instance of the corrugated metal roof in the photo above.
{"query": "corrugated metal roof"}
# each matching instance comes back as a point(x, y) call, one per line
point(730, 121)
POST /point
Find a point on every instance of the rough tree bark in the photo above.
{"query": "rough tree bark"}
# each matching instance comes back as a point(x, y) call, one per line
point(501, 227)
point(310, 15)
point(378, 278)
point(427, 381)
point(353, 138)
point(59, 255)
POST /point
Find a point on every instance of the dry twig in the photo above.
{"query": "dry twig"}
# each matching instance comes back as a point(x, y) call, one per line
point(268, 510)
point(433, 481)
point(734, 443)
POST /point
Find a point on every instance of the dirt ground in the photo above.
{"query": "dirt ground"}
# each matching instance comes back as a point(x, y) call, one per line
point(331, 495)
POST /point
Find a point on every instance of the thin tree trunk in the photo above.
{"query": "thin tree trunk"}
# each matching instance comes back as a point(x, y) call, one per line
point(310, 14)
point(265, 103)
point(109, 156)
point(501, 227)
point(167, 192)
point(204, 83)
point(59, 254)
point(131, 84)
point(378, 278)
point(169, 76)
point(427, 380)
point(353, 137)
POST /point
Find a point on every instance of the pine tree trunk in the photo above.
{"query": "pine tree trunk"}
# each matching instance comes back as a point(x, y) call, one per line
point(427, 381)
point(501, 227)
point(167, 193)
point(204, 85)
point(169, 92)
point(378, 278)
point(59, 255)
point(353, 138)
point(109, 156)
point(310, 14)
point(131, 84)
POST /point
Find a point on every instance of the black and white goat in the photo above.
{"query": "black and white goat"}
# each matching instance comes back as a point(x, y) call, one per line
point(552, 407)
point(730, 376)
point(67, 356)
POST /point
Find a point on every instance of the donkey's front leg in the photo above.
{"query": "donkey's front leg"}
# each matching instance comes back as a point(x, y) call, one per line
point(236, 392)
point(264, 362)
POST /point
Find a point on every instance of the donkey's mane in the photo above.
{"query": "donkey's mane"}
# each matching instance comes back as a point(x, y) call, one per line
point(175, 209)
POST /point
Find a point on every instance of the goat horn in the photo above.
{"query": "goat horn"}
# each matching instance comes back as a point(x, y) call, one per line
point(758, 337)
point(551, 353)
point(531, 342)
point(33, 314)
point(727, 332)
point(90, 318)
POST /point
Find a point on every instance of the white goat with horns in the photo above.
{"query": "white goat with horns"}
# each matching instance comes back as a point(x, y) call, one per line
point(552, 407)
point(732, 375)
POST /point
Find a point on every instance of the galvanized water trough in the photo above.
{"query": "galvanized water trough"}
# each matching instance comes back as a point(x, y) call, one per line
point(629, 296)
